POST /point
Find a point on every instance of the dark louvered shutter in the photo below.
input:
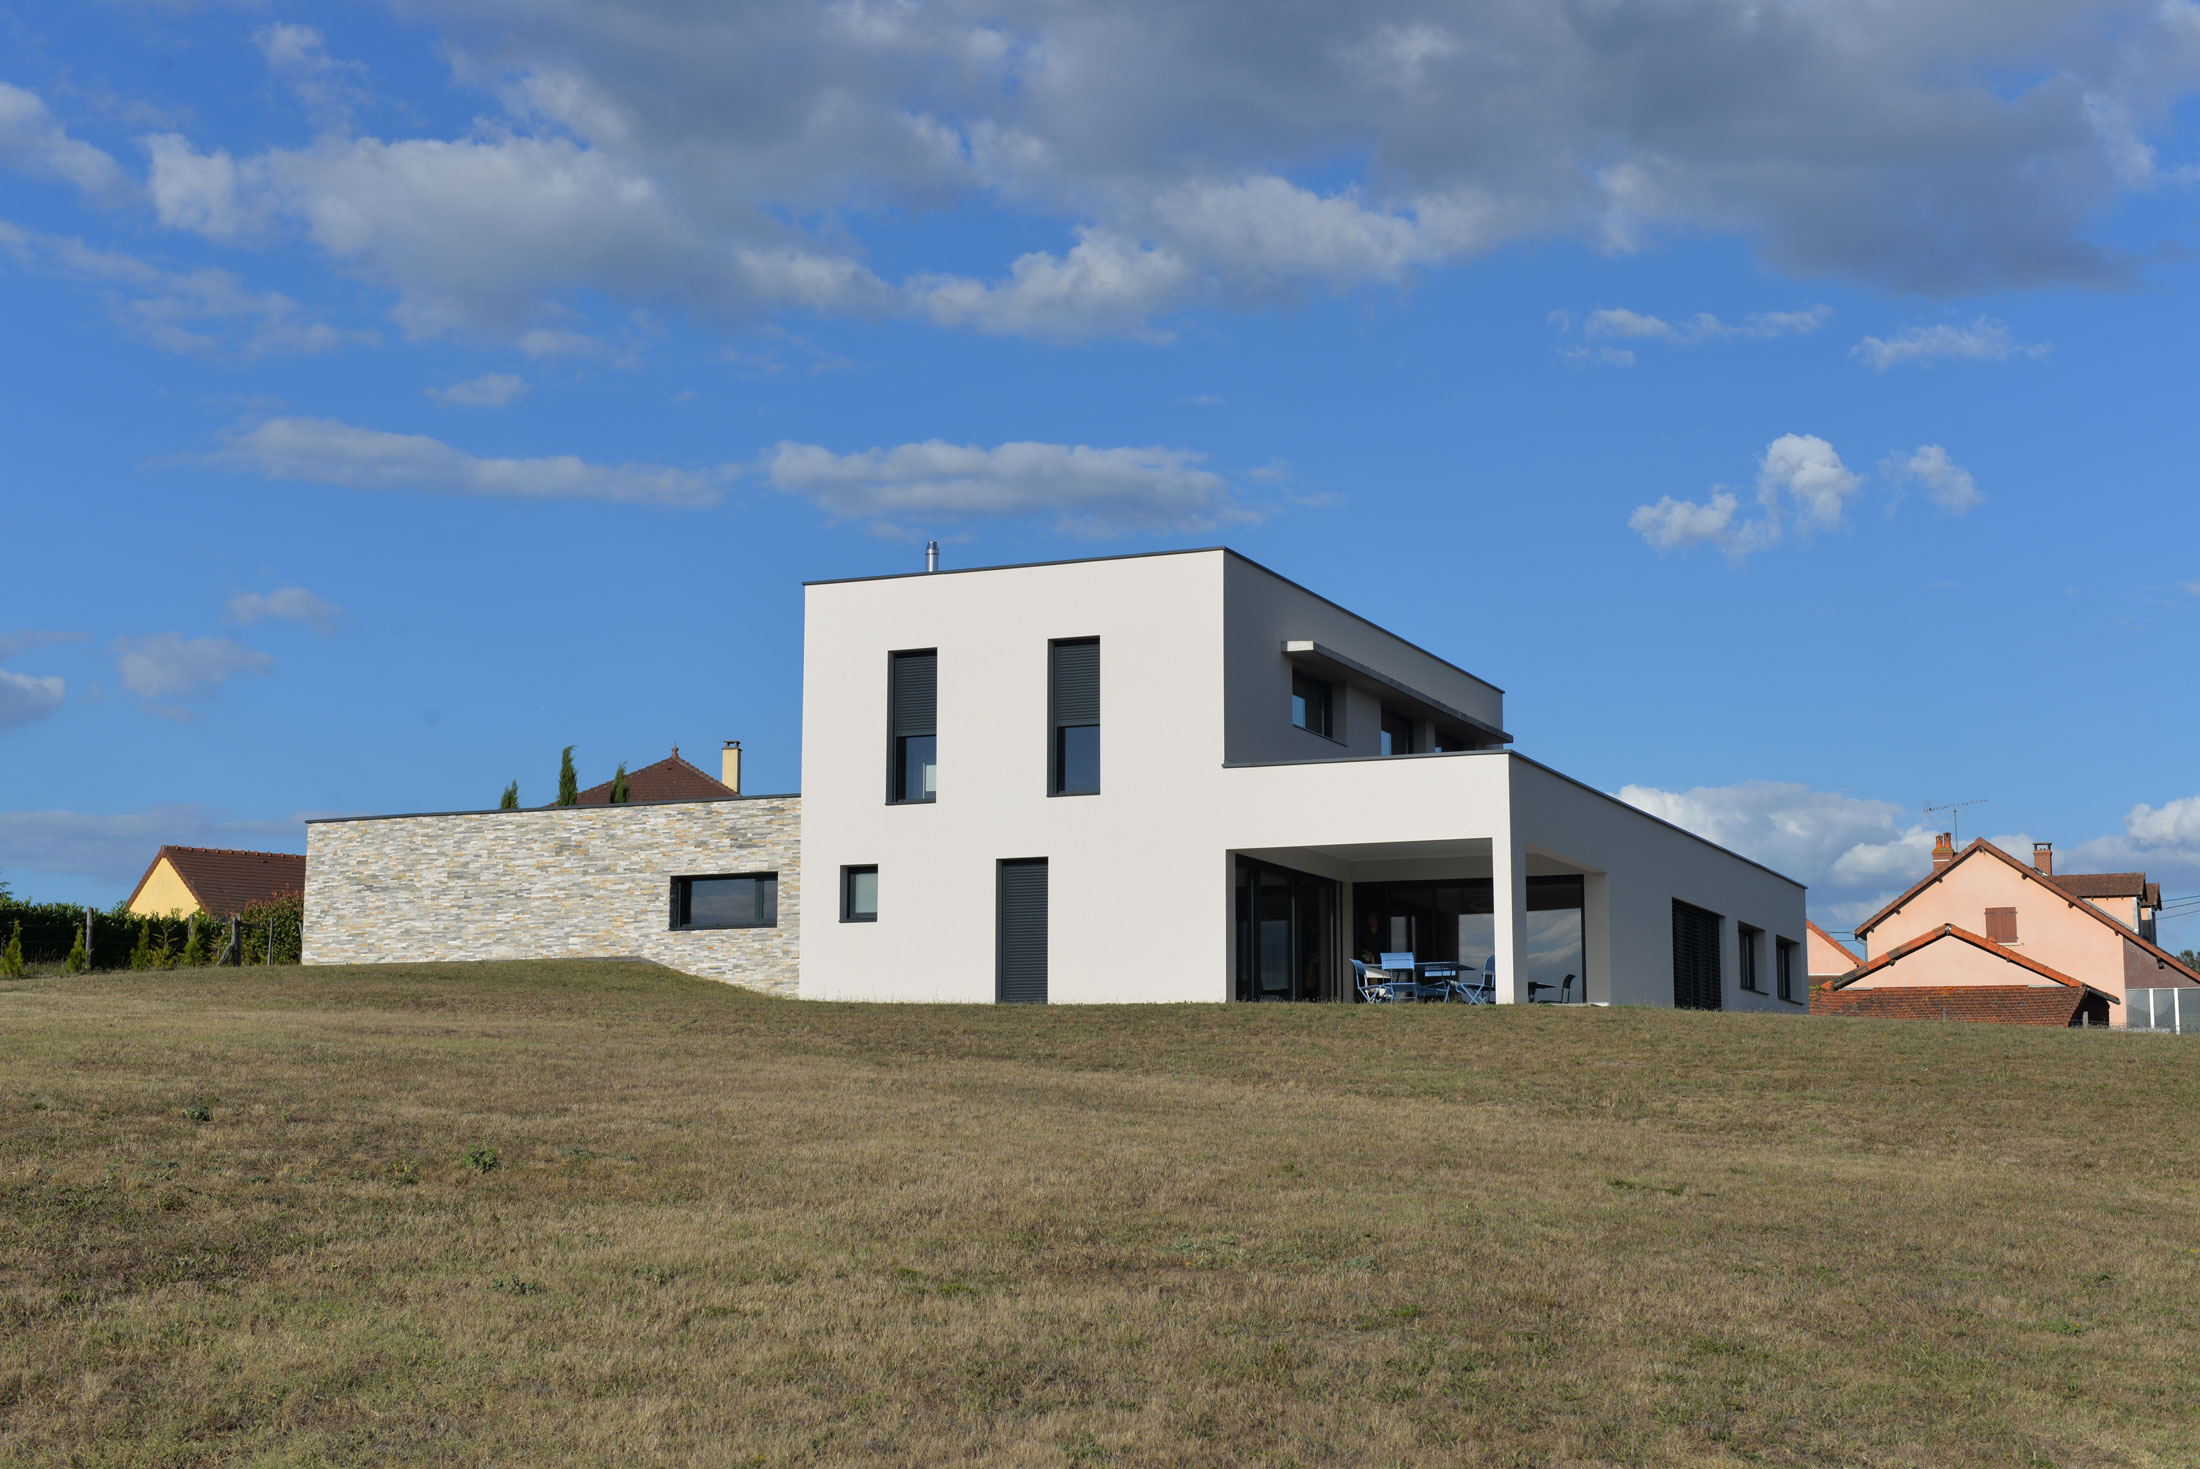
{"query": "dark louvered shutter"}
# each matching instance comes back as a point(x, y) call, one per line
point(915, 694)
point(1076, 678)
point(1023, 936)
point(1695, 958)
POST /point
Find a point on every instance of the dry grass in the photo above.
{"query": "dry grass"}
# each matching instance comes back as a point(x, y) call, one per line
point(241, 1226)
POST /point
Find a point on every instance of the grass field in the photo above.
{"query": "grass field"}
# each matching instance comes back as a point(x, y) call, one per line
point(596, 1213)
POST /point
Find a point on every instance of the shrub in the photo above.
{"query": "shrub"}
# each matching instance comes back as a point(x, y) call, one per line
point(11, 962)
point(196, 941)
point(76, 963)
point(482, 1158)
point(141, 957)
point(288, 914)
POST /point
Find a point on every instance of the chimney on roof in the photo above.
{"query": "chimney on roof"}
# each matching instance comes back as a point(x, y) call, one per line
point(729, 766)
point(1944, 851)
point(931, 555)
point(2043, 857)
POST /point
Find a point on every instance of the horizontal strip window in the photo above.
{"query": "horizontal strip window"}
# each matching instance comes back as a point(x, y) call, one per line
point(733, 900)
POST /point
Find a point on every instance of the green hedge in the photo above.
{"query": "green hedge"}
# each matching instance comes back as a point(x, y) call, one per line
point(118, 937)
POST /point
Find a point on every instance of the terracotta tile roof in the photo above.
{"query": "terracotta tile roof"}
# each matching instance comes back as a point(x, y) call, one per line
point(1994, 1004)
point(2153, 898)
point(1854, 957)
point(1982, 847)
point(670, 779)
point(226, 881)
point(2101, 884)
point(1949, 931)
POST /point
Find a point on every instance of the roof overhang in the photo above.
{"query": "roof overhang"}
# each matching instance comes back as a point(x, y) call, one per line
point(1327, 663)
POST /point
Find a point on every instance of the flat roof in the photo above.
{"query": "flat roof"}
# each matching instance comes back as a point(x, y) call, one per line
point(836, 581)
point(544, 810)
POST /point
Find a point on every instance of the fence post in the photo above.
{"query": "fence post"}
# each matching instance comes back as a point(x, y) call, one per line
point(271, 941)
point(233, 955)
point(87, 940)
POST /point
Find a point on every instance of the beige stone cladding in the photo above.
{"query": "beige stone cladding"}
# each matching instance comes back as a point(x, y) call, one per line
point(563, 882)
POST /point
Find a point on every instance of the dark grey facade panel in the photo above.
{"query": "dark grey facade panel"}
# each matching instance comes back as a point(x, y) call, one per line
point(1022, 942)
point(1075, 680)
point(915, 693)
point(1695, 958)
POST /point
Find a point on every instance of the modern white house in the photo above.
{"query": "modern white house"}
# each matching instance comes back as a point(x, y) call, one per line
point(1182, 777)
point(1169, 777)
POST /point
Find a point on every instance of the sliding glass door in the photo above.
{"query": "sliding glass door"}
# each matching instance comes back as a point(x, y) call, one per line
point(1286, 934)
point(1451, 921)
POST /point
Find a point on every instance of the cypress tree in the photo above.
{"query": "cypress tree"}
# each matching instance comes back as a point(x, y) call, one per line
point(11, 962)
point(194, 944)
point(511, 798)
point(141, 957)
point(76, 963)
point(569, 784)
point(620, 795)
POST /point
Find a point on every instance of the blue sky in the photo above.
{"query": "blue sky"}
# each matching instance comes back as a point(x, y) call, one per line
point(1789, 406)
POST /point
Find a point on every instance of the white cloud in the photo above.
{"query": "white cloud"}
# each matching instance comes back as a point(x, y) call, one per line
point(25, 697)
point(203, 312)
point(1798, 471)
point(490, 390)
point(170, 666)
point(1948, 483)
point(1817, 483)
point(32, 142)
point(116, 846)
point(323, 451)
point(1853, 853)
point(1085, 490)
point(298, 55)
point(1982, 341)
point(286, 604)
point(1758, 326)
point(715, 156)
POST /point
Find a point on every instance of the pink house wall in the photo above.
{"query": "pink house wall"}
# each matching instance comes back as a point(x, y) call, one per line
point(1824, 957)
point(1951, 961)
point(2051, 929)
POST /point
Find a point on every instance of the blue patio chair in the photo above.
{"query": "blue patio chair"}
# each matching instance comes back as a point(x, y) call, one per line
point(1478, 989)
point(1372, 991)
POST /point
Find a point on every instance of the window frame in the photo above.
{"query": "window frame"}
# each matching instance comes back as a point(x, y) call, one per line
point(1057, 727)
point(897, 792)
point(1331, 726)
point(848, 876)
point(1392, 716)
point(1784, 951)
point(1746, 941)
point(682, 901)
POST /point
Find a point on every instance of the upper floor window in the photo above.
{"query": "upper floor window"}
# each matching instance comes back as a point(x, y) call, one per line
point(1310, 706)
point(746, 900)
point(912, 721)
point(1397, 733)
point(1073, 702)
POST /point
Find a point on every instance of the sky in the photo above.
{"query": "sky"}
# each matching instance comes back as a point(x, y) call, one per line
point(1790, 406)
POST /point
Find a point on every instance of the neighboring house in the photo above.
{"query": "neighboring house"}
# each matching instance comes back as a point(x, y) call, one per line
point(1828, 957)
point(1950, 973)
point(2026, 914)
point(673, 779)
point(214, 880)
point(1136, 778)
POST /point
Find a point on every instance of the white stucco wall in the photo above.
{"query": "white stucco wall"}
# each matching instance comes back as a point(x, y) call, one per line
point(1192, 679)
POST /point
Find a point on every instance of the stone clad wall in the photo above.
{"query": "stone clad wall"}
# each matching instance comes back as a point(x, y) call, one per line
point(566, 882)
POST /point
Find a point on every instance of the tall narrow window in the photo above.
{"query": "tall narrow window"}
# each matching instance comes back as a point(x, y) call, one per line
point(1073, 699)
point(2001, 925)
point(912, 718)
point(1397, 733)
point(1746, 941)
point(1695, 957)
point(1785, 976)
point(1310, 706)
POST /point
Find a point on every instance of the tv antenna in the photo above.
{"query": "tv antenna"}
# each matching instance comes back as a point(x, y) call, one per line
point(1955, 817)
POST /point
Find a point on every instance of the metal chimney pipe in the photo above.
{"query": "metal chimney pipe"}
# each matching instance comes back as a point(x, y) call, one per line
point(931, 555)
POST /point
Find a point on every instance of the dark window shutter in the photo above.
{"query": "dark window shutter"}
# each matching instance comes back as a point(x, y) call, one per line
point(2001, 925)
point(1076, 682)
point(1023, 933)
point(1695, 957)
point(915, 694)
